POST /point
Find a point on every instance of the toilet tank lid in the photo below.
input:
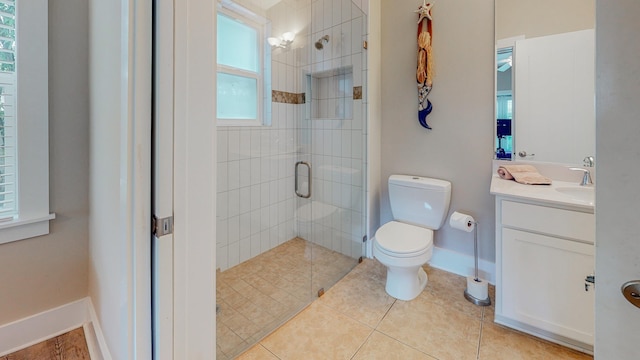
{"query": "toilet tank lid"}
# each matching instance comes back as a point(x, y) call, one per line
point(420, 182)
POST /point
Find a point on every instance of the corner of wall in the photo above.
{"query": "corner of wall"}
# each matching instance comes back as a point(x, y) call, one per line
point(374, 110)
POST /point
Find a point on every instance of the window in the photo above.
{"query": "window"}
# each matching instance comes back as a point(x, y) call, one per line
point(8, 80)
point(24, 120)
point(504, 105)
point(243, 68)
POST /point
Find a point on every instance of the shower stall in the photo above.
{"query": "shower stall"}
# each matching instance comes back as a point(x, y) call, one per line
point(291, 137)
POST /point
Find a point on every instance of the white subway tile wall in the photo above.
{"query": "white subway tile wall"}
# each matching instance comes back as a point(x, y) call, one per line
point(257, 206)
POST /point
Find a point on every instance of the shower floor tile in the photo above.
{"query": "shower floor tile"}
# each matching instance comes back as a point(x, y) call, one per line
point(257, 296)
point(438, 325)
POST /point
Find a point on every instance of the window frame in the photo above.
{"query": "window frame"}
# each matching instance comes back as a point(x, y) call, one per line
point(32, 114)
point(263, 77)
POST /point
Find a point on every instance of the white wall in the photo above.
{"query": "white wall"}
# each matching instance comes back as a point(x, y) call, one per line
point(617, 194)
point(48, 271)
point(110, 255)
point(460, 146)
point(194, 174)
point(542, 17)
point(120, 135)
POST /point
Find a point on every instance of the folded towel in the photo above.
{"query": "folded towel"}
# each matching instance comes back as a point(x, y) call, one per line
point(524, 174)
point(504, 173)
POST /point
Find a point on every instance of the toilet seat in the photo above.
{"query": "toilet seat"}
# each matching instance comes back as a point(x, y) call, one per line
point(402, 240)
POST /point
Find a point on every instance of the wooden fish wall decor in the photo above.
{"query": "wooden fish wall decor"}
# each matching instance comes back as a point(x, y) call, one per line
point(424, 72)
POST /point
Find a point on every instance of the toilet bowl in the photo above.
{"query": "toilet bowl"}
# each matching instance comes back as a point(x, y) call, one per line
point(419, 206)
point(404, 259)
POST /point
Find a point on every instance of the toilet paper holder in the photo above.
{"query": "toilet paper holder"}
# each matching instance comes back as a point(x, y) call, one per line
point(477, 289)
point(471, 293)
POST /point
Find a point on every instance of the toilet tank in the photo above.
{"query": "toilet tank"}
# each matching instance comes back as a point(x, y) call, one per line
point(419, 201)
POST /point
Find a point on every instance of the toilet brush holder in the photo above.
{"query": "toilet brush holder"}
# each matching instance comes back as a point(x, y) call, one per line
point(477, 291)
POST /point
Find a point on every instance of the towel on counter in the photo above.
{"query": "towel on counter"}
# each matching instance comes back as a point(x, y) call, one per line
point(524, 174)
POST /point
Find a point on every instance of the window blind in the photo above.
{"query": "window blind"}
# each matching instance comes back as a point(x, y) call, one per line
point(8, 135)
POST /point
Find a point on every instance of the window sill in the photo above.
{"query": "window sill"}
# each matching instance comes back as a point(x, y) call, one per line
point(231, 123)
point(21, 229)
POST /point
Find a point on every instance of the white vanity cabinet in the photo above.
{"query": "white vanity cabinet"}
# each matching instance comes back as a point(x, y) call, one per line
point(544, 252)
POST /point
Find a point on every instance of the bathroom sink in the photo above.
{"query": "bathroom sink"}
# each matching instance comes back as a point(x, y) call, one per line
point(583, 194)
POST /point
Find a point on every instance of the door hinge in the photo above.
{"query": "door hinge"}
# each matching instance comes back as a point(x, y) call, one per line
point(161, 227)
point(588, 281)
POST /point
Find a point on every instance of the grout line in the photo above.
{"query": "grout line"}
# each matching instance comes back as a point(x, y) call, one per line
point(361, 345)
point(270, 352)
point(480, 337)
point(385, 314)
point(407, 345)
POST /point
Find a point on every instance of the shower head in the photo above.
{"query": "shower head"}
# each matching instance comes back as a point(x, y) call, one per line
point(320, 43)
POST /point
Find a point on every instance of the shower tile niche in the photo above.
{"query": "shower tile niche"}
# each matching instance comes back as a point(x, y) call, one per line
point(332, 94)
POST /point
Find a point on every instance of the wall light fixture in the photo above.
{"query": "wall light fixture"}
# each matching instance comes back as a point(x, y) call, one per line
point(284, 41)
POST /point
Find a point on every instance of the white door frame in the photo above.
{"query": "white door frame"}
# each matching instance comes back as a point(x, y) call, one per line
point(163, 157)
point(119, 256)
point(186, 67)
point(136, 165)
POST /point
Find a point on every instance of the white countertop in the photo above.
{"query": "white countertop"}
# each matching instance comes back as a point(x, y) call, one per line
point(540, 193)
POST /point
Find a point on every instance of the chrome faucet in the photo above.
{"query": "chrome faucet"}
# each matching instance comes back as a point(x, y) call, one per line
point(586, 177)
point(588, 161)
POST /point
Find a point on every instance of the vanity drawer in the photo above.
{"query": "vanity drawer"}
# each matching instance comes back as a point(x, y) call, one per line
point(547, 220)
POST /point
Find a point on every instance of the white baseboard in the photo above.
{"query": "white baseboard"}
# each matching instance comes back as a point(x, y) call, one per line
point(98, 349)
point(34, 329)
point(462, 264)
point(453, 262)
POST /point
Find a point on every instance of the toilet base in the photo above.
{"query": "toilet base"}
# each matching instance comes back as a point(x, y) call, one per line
point(405, 283)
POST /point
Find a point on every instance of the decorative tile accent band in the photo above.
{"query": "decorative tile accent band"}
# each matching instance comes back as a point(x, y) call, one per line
point(291, 98)
point(357, 93)
point(287, 97)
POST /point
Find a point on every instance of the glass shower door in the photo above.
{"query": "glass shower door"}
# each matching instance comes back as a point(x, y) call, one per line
point(332, 140)
point(291, 192)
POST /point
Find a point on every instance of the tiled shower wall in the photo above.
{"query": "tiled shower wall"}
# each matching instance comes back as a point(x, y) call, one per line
point(256, 204)
point(334, 139)
point(257, 208)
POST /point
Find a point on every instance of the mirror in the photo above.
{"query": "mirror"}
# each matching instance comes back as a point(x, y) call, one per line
point(545, 75)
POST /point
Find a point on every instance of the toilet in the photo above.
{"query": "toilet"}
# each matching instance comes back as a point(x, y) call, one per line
point(419, 206)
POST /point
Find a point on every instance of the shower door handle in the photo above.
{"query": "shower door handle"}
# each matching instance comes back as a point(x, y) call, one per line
point(308, 194)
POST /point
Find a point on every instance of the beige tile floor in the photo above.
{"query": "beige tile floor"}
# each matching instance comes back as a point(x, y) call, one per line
point(357, 320)
point(257, 296)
